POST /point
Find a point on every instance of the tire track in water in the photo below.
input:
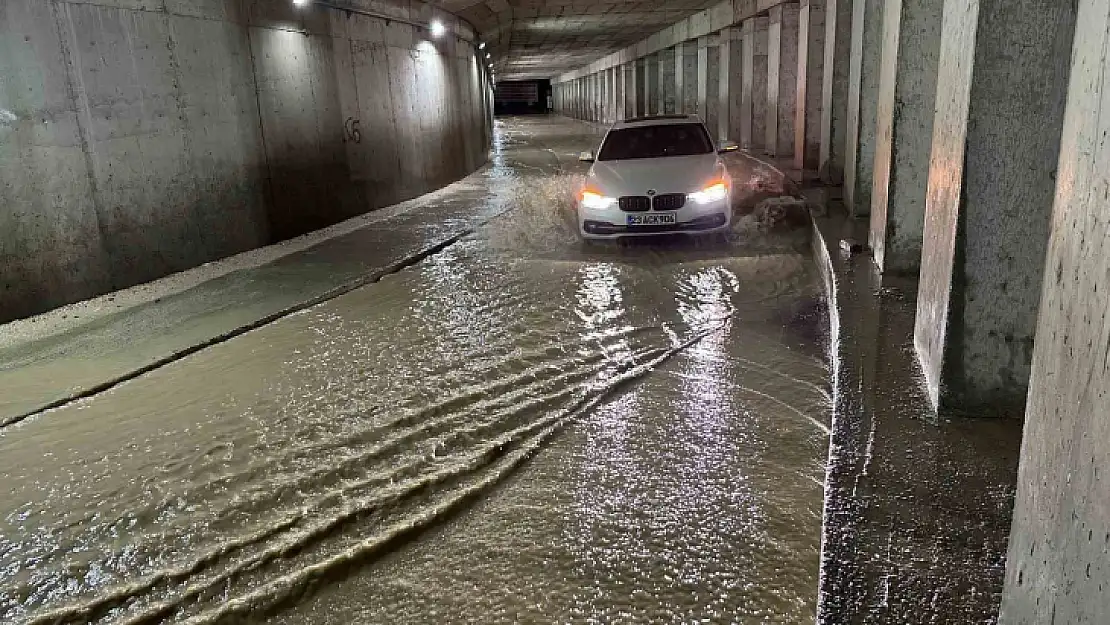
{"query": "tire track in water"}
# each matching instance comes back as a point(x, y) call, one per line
point(292, 585)
point(410, 476)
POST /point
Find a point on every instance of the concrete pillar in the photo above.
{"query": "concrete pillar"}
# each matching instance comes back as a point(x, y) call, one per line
point(782, 79)
point(729, 86)
point(614, 99)
point(811, 53)
point(667, 93)
point(603, 96)
point(577, 89)
point(834, 90)
point(709, 80)
point(689, 77)
point(587, 92)
point(703, 78)
point(578, 111)
point(586, 98)
point(747, 72)
point(754, 97)
point(904, 132)
point(1059, 556)
point(576, 98)
point(863, 98)
point(651, 84)
point(996, 133)
point(599, 106)
point(635, 86)
point(678, 52)
point(591, 98)
point(599, 97)
point(622, 78)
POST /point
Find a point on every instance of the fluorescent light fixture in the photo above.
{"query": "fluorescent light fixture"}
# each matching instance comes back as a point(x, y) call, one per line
point(437, 28)
point(301, 3)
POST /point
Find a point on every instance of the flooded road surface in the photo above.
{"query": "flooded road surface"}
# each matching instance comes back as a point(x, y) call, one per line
point(517, 429)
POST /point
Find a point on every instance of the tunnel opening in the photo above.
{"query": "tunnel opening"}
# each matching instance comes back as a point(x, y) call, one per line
point(523, 97)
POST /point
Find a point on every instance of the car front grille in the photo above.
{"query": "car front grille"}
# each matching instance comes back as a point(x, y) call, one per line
point(669, 202)
point(635, 203)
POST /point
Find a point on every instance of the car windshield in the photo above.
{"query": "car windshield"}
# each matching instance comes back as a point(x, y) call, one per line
point(684, 139)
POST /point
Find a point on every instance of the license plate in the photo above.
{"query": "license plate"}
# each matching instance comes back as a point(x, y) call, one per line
point(650, 220)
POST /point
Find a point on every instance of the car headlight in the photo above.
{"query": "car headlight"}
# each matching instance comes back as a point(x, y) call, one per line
point(595, 201)
point(715, 192)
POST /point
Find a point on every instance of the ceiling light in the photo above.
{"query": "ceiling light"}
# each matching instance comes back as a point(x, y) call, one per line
point(438, 28)
point(300, 3)
point(482, 46)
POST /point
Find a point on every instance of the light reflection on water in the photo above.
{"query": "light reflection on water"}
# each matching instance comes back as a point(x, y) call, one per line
point(269, 462)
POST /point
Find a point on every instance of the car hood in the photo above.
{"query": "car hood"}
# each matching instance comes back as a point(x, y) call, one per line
point(678, 174)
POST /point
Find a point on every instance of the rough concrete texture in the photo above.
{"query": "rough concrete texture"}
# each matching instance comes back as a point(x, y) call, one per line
point(732, 84)
point(667, 88)
point(774, 69)
point(678, 78)
point(623, 82)
point(747, 83)
point(709, 74)
point(991, 186)
point(615, 102)
point(759, 84)
point(787, 79)
point(811, 68)
point(143, 139)
point(690, 77)
point(653, 88)
point(642, 105)
point(1059, 558)
point(904, 136)
point(729, 86)
point(834, 90)
point(532, 39)
point(863, 91)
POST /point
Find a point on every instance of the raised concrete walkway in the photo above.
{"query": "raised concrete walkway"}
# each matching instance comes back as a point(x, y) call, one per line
point(917, 508)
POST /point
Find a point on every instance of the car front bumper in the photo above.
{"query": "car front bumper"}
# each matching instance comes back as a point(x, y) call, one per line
point(613, 223)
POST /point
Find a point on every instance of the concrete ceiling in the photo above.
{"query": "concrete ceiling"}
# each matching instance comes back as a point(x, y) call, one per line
point(545, 38)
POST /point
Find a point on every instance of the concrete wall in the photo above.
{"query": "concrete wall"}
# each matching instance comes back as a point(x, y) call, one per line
point(760, 26)
point(863, 96)
point(811, 74)
point(999, 114)
point(1059, 559)
point(142, 138)
point(907, 97)
point(834, 90)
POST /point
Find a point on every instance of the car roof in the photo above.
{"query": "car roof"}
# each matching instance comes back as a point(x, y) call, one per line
point(656, 120)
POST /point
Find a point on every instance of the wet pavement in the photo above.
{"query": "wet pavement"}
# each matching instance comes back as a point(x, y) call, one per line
point(500, 425)
point(918, 505)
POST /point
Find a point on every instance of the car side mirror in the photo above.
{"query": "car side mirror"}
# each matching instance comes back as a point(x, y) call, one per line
point(586, 157)
point(727, 146)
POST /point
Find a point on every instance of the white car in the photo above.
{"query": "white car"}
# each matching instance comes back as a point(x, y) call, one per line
point(655, 175)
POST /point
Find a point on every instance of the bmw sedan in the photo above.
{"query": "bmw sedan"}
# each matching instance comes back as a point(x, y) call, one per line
point(655, 175)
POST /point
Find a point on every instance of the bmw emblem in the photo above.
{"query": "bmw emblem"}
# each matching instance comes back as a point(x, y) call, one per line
point(651, 192)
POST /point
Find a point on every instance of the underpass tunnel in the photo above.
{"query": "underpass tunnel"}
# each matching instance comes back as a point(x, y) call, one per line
point(965, 139)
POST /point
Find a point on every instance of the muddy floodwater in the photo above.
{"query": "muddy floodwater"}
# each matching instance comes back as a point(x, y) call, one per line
point(519, 428)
